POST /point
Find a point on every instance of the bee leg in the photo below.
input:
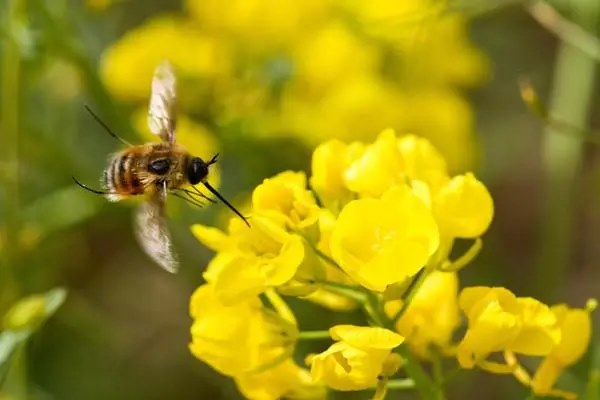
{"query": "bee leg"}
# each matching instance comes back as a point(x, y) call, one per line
point(191, 200)
point(203, 195)
point(89, 189)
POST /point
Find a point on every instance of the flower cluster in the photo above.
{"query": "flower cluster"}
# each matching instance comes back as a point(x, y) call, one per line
point(274, 67)
point(373, 228)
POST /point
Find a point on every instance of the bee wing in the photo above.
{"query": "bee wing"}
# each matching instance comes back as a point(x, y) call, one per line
point(161, 111)
point(152, 233)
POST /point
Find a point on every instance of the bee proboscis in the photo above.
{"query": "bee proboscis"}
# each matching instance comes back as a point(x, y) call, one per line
point(154, 170)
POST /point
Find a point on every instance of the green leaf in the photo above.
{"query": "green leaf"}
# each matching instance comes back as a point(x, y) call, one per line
point(592, 390)
point(9, 340)
point(50, 213)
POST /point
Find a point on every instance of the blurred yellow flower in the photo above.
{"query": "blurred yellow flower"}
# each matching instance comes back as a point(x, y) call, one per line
point(250, 260)
point(379, 242)
point(353, 110)
point(330, 57)
point(26, 313)
point(286, 195)
point(499, 321)
point(438, 36)
point(315, 69)
point(258, 23)
point(285, 380)
point(238, 339)
point(128, 66)
point(358, 358)
point(426, 32)
point(445, 118)
point(576, 330)
point(432, 315)
point(463, 207)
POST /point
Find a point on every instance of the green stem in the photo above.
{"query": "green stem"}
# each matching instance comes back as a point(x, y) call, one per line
point(423, 383)
point(15, 383)
point(372, 309)
point(400, 384)
point(465, 259)
point(9, 127)
point(351, 292)
point(437, 367)
point(325, 257)
point(573, 88)
point(565, 30)
point(313, 335)
point(473, 9)
point(412, 292)
point(426, 387)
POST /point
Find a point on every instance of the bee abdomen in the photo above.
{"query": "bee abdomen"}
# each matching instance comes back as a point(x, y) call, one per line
point(120, 177)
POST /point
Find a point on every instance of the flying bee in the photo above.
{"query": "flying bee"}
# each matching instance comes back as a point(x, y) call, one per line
point(154, 170)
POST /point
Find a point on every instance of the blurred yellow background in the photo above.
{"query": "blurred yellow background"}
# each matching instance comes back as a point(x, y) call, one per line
point(262, 82)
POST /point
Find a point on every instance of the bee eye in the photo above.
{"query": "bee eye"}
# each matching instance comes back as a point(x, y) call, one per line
point(197, 170)
point(160, 166)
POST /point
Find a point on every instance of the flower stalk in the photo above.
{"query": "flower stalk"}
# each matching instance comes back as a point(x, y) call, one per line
point(570, 102)
point(10, 95)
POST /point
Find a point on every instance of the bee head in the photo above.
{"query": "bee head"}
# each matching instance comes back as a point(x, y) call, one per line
point(197, 169)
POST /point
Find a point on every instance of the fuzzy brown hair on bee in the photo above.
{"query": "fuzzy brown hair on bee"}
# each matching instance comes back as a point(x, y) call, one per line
point(144, 168)
point(154, 170)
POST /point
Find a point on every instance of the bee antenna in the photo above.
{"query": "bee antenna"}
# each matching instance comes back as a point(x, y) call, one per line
point(106, 127)
point(213, 160)
point(228, 204)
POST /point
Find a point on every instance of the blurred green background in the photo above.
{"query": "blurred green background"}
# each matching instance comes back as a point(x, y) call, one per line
point(123, 330)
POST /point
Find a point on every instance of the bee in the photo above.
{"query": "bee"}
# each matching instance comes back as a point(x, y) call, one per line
point(154, 170)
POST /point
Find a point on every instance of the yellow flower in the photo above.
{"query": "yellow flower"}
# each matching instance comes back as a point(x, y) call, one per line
point(378, 168)
point(500, 321)
point(445, 119)
point(329, 161)
point(353, 110)
point(331, 56)
point(128, 66)
point(379, 242)
point(322, 295)
point(286, 195)
point(423, 30)
point(357, 359)
point(238, 339)
point(258, 23)
point(439, 36)
point(422, 161)
point(250, 260)
point(463, 207)
point(285, 380)
point(306, 279)
point(432, 315)
point(576, 328)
